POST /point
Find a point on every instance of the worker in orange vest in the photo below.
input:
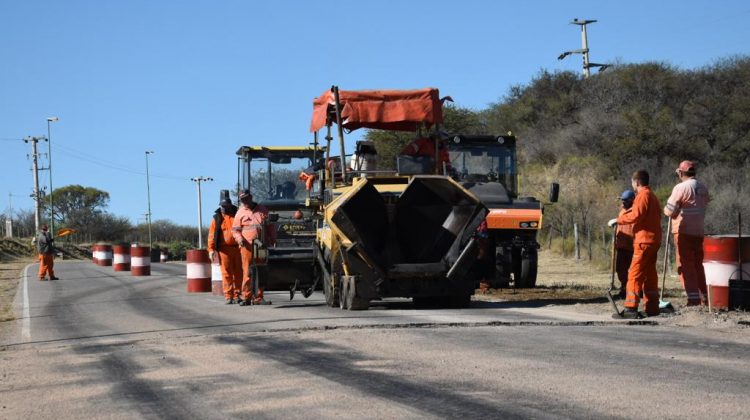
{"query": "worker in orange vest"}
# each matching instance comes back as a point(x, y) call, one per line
point(246, 228)
point(45, 244)
point(623, 242)
point(687, 208)
point(425, 146)
point(223, 247)
point(645, 216)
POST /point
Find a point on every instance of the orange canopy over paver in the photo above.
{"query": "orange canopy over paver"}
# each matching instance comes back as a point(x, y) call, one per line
point(400, 110)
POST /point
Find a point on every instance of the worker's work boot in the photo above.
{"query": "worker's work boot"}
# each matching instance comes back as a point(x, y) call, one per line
point(260, 301)
point(229, 301)
point(54, 278)
point(245, 302)
point(630, 313)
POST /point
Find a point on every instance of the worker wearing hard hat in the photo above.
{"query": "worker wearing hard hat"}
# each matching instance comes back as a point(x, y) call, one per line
point(623, 242)
point(45, 245)
point(246, 228)
point(645, 217)
point(223, 247)
point(687, 208)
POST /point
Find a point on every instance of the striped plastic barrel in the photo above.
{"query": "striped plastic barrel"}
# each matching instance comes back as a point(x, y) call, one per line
point(721, 258)
point(104, 255)
point(198, 271)
point(140, 260)
point(121, 261)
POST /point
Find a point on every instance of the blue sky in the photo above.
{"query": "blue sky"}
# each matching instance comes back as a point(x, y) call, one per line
point(194, 80)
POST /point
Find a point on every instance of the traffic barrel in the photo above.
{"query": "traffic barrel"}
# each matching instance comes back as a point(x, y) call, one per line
point(104, 255)
point(217, 288)
point(163, 256)
point(121, 260)
point(198, 271)
point(94, 254)
point(723, 265)
point(140, 260)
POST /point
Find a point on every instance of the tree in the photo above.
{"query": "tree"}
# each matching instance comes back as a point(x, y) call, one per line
point(80, 208)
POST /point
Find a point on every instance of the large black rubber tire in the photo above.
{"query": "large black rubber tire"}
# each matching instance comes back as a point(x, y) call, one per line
point(429, 302)
point(459, 302)
point(331, 294)
point(526, 270)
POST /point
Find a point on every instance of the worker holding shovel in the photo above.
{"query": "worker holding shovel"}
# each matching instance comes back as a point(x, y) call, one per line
point(623, 242)
point(645, 216)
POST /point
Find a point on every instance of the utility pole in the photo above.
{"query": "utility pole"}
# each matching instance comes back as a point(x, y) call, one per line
point(9, 220)
point(35, 170)
point(587, 65)
point(148, 195)
point(49, 168)
point(198, 181)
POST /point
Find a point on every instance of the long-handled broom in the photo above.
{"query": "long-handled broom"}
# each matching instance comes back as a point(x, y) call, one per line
point(665, 305)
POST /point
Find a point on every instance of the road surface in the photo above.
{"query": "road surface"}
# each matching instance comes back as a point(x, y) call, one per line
point(103, 344)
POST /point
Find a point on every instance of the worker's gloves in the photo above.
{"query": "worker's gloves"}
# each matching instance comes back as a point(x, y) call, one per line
point(612, 223)
point(211, 255)
point(241, 243)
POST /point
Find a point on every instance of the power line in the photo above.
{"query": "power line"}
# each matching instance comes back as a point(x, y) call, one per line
point(77, 154)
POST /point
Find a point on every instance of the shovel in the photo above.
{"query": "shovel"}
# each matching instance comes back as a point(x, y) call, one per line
point(617, 313)
point(665, 305)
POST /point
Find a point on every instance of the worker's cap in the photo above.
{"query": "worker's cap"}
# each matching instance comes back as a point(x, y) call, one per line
point(686, 166)
point(627, 195)
point(224, 199)
point(245, 194)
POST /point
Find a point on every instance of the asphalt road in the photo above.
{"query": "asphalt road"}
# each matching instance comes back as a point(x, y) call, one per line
point(103, 344)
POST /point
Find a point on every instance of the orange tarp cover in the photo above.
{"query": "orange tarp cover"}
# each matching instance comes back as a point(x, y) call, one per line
point(380, 109)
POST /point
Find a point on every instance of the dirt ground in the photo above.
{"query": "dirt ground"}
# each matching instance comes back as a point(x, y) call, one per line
point(10, 272)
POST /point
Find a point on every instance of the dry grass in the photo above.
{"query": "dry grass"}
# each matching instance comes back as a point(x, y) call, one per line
point(10, 272)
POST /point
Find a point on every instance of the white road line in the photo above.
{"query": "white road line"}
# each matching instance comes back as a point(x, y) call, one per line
point(26, 322)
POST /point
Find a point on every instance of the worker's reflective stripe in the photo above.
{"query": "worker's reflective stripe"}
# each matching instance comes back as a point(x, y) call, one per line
point(695, 295)
point(632, 298)
point(671, 207)
point(251, 227)
point(652, 293)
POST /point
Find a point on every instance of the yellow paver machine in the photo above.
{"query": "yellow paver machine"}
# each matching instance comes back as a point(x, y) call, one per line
point(383, 233)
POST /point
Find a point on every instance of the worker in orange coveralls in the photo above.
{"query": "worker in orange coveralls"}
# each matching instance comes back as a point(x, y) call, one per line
point(246, 228)
point(425, 146)
point(645, 216)
point(222, 246)
point(687, 208)
point(623, 242)
point(45, 244)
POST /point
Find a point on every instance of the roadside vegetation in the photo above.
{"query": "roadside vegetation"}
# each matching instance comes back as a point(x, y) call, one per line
point(589, 135)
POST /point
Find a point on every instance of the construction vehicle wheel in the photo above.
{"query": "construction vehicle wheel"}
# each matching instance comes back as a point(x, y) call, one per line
point(459, 302)
point(343, 292)
point(332, 293)
point(524, 272)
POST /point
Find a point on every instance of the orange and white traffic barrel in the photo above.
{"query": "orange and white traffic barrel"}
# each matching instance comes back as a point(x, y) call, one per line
point(722, 263)
point(104, 255)
point(198, 271)
point(163, 256)
point(217, 288)
point(121, 261)
point(140, 260)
